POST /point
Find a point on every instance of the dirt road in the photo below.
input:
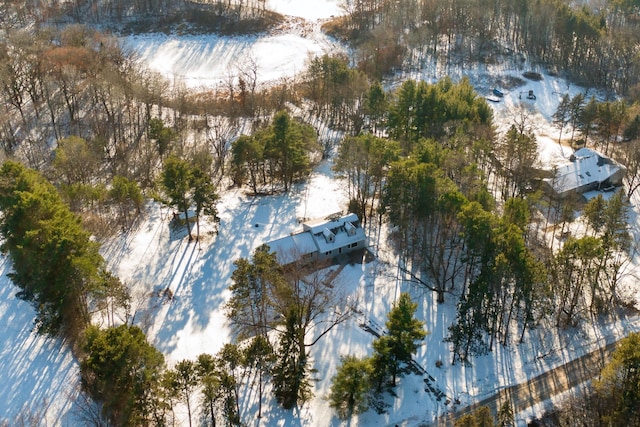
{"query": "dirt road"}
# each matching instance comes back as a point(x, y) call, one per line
point(542, 387)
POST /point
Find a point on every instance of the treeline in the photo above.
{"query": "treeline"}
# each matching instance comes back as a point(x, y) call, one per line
point(245, 16)
point(75, 82)
point(595, 47)
point(95, 10)
point(55, 263)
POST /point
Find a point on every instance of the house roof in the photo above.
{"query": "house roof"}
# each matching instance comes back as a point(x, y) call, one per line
point(319, 236)
point(316, 226)
point(290, 248)
point(586, 168)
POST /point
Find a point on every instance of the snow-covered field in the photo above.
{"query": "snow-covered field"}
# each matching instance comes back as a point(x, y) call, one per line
point(210, 60)
point(42, 375)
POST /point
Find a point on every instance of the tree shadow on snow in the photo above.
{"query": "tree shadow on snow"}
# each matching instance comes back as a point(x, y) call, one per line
point(201, 271)
point(36, 370)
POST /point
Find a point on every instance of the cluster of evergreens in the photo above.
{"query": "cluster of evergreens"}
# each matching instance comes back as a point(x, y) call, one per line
point(336, 90)
point(359, 382)
point(275, 156)
point(430, 178)
point(60, 272)
point(55, 263)
point(121, 371)
point(134, 387)
point(188, 185)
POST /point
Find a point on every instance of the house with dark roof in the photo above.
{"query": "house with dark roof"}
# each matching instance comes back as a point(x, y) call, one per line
point(321, 240)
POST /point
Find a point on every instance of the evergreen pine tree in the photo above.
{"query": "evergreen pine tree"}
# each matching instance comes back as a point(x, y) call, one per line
point(290, 374)
point(211, 387)
point(259, 355)
point(229, 359)
point(186, 380)
point(176, 181)
point(121, 369)
point(350, 387)
point(505, 415)
point(401, 341)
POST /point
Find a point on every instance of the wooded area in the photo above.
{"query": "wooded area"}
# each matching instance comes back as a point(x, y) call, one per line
point(90, 136)
point(594, 47)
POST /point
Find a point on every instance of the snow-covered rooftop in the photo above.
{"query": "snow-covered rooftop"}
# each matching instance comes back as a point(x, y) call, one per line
point(587, 168)
point(320, 236)
point(291, 248)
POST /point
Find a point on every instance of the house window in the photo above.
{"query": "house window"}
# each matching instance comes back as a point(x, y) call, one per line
point(328, 253)
point(353, 245)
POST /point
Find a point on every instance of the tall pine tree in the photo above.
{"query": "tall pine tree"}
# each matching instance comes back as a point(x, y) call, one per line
point(350, 387)
point(291, 380)
point(397, 347)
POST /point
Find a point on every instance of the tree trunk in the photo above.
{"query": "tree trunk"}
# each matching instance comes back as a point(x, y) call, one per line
point(185, 209)
point(188, 407)
point(260, 392)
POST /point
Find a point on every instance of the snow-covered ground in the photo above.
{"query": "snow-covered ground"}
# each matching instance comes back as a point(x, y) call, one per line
point(39, 377)
point(211, 60)
point(42, 375)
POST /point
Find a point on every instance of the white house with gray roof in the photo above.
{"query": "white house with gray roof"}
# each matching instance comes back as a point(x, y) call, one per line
point(321, 240)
